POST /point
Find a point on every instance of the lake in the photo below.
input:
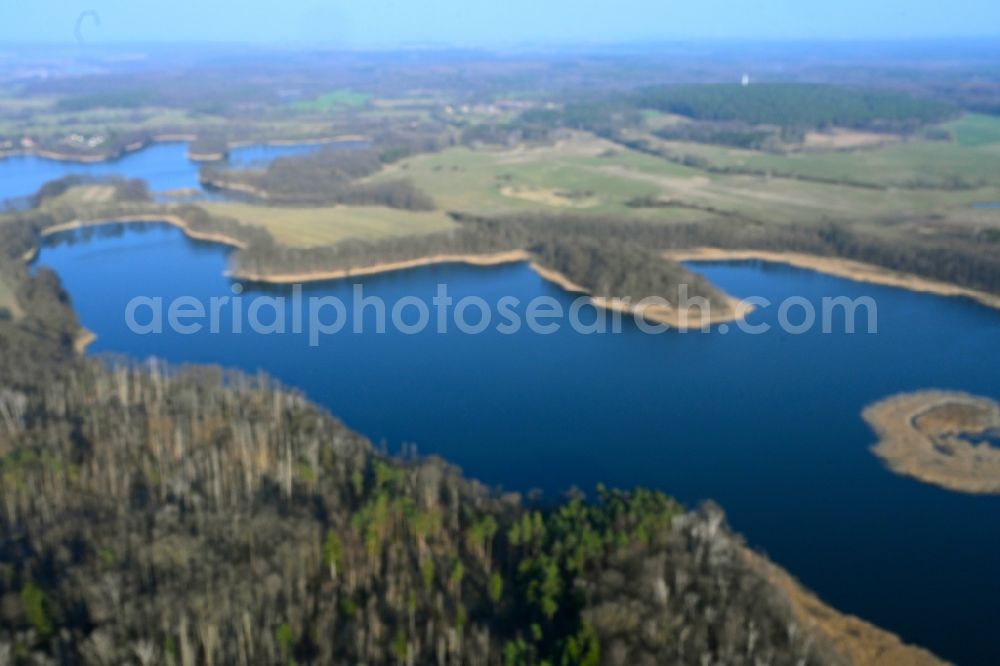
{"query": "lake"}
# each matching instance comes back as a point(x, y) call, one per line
point(165, 166)
point(767, 425)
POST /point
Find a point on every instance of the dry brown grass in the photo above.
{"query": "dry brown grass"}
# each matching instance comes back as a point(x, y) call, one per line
point(860, 643)
point(932, 436)
point(315, 227)
point(846, 139)
point(8, 301)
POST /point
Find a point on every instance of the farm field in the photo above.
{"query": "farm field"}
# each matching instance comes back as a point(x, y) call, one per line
point(975, 129)
point(333, 100)
point(587, 175)
point(970, 159)
point(313, 227)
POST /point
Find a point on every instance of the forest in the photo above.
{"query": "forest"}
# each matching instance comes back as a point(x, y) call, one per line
point(734, 134)
point(796, 105)
point(745, 116)
point(616, 269)
point(327, 176)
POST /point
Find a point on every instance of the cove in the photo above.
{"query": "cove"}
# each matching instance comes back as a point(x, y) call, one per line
point(767, 425)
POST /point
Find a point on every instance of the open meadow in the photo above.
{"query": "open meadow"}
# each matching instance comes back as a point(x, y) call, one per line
point(583, 174)
point(315, 227)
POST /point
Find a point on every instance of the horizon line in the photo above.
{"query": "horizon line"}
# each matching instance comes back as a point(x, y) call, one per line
point(527, 45)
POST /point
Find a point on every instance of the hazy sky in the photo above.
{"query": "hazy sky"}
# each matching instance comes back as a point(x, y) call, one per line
point(491, 23)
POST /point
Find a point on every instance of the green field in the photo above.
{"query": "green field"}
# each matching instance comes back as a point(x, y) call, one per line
point(975, 129)
point(313, 227)
point(586, 175)
point(333, 100)
point(576, 175)
point(971, 160)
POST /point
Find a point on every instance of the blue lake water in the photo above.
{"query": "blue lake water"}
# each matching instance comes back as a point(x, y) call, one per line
point(767, 425)
point(165, 166)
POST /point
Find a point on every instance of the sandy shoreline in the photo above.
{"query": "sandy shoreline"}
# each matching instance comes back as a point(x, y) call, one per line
point(80, 159)
point(925, 435)
point(207, 157)
point(654, 313)
point(558, 279)
point(493, 259)
point(30, 255)
point(84, 338)
point(682, 321)
point(322, 141)
point(861, 643)
point(126, 219)
point(845, 268)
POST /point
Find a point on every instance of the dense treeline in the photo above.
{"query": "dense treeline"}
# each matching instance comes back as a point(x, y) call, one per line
point(973, 93)
point(616, 269)
point(796, 105)
point(754, 116)
point(326, 176)
point(602, 117)
point(733, 134)
point(37, 345)
point(961, 256)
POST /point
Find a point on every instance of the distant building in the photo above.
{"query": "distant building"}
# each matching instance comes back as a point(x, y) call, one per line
point(746, 80)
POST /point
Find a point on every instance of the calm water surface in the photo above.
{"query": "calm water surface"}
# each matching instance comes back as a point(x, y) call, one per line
point(766, 425)
point(164, 166)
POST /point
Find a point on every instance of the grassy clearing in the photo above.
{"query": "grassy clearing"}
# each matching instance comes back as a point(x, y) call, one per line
point(928, 162)
point(314, 227)
point(333, 100)
point(80, 196)
point(975, 129)
point(560, 178)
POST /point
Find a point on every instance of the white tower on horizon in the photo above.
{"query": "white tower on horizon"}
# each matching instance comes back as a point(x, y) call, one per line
point(746, 80)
